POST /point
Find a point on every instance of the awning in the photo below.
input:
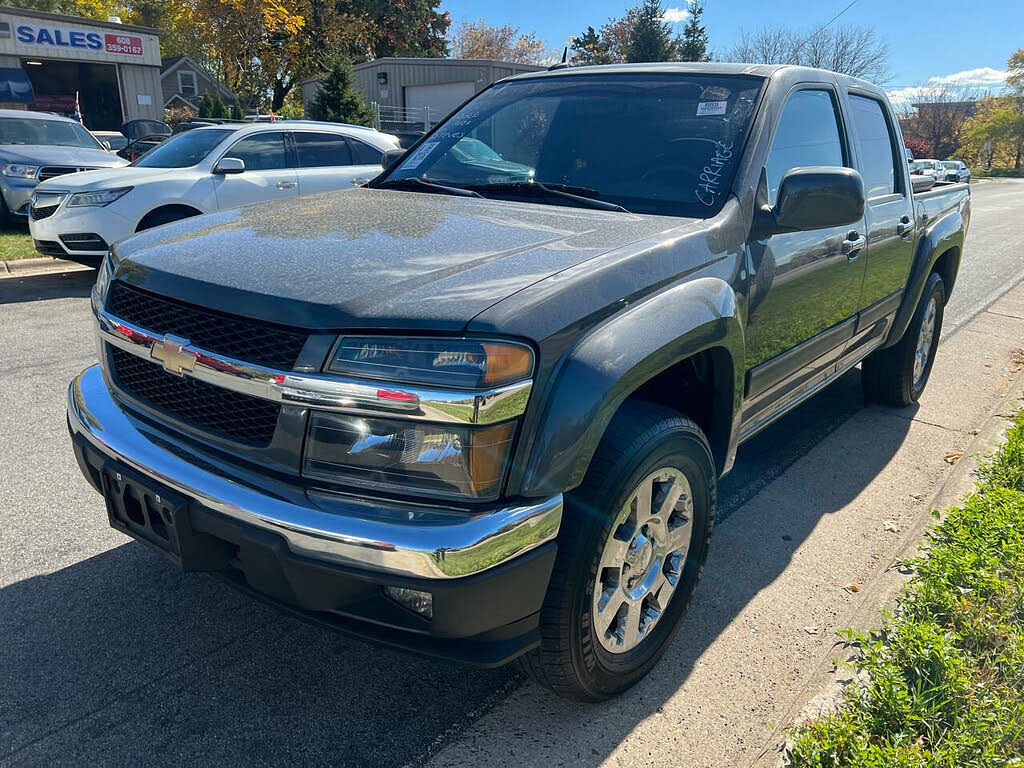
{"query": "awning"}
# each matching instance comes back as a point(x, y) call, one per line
point(15, 85)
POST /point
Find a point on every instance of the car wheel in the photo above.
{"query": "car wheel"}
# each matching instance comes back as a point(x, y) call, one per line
point(898, 375)
point(631, 549)
point(6, 218)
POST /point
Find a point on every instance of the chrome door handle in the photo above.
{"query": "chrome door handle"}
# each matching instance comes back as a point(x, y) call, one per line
point(904, 227)
point(852, 245)
point(286, 185)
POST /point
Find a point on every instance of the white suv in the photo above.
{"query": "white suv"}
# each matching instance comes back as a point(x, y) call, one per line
point(202, 170)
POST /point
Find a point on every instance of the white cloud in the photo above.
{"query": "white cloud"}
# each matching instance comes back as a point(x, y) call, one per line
point(970, 80)
point(675, 15)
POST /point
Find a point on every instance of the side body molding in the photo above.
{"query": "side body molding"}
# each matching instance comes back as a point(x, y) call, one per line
point(941, 235)
point(620, 355)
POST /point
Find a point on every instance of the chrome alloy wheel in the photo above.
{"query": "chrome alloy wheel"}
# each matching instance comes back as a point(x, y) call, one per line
point(924, 342)
point(643, 560)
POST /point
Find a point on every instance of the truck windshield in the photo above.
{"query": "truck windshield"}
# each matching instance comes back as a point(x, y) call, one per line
point(184, 150)
point(52, 133)
point(650, 143)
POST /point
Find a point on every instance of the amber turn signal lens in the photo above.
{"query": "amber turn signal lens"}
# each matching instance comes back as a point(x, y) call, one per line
point(506, 363)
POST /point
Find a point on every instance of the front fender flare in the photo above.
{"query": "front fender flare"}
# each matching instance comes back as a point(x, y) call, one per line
point(615, 359)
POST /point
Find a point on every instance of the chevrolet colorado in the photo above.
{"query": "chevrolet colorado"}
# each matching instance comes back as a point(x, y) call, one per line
point(479, 407)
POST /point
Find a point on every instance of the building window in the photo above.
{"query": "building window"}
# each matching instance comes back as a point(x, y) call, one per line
point(187, 83)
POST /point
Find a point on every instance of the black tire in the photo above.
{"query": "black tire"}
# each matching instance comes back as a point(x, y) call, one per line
point(641, 439)
point(7, 220)
point(887, 376)
point(164, 216)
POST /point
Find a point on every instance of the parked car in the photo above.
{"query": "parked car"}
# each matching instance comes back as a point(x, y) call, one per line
point(486, 420)
point(956, 170)
point(142, 136)
point(112, 141)
point(35, 147)
point(931, 168)
point(206, 169)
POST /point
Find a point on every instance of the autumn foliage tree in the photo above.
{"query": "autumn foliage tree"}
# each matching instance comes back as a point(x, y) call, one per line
point(479, 40)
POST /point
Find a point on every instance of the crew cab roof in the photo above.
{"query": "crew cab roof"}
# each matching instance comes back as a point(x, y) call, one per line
point(705, 68)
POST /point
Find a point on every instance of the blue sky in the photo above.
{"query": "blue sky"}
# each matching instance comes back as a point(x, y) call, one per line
point(968, 41)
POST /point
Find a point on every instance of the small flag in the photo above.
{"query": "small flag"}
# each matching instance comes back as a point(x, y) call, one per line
point(273, 117)
point(78, 109)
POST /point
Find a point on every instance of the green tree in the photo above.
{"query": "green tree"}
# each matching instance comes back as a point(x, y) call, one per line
point(235, 111)
point(591, 48)
point(692, 45)
point(337, 100)
point(650, 37)
point(405, 28)
point(217, 108)
point(205, 106)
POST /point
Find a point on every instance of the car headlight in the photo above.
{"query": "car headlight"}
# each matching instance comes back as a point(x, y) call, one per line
point(104, 276)
point(19, 171)
point(445, 460)
point(98, 198)
point(468, 395)
point(456, 363)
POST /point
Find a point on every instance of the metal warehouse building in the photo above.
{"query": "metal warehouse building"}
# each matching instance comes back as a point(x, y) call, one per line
point(47, 60)
point(421, 91)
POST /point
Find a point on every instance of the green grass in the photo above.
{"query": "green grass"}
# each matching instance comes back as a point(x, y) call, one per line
point(945, 673)
point(16, 244)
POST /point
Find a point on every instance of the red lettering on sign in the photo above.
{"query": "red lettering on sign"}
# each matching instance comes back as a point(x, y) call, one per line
point(131, 46)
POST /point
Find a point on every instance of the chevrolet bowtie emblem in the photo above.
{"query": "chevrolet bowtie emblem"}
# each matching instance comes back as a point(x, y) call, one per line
point(173, 354)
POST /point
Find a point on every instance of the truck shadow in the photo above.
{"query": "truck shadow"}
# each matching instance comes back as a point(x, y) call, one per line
point(76, 283)
point(121, 660)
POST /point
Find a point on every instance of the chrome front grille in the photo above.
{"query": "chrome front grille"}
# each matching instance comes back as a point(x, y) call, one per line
point(53, 171)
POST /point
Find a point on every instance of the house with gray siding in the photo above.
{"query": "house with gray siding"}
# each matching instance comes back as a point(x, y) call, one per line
point(419, 92)
point(184, 80)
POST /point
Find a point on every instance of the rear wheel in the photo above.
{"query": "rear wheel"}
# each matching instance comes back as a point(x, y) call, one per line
point(898, 375)
point(630, 553)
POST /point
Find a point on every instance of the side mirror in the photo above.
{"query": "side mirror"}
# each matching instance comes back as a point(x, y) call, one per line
point(229, 165)
point(814, 198)
point(391, 157)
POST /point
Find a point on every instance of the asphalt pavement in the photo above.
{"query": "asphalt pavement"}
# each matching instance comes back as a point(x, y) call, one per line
point(110, 657)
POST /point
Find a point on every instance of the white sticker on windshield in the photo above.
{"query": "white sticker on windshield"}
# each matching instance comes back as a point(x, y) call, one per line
point(711, 108)
point(419, 155)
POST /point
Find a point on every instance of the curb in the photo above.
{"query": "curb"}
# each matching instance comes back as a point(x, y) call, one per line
point(38, 266)
point(831, 675)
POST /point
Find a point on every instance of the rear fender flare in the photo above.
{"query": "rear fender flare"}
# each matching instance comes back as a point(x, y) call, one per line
point(615, 359)
point(943, 235)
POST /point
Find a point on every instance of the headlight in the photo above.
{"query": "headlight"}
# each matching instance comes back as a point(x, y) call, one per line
point(103, 277)
point(391, 455)
point(19, 171)
point(457, 363)
point(97, 199)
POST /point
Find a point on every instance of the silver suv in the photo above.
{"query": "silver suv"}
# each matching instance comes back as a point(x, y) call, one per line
point(35, 146)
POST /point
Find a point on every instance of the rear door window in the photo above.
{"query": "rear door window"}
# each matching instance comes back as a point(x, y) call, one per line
point(364, 154)
point(321, 150)
point(807, 134)
point(875, 148)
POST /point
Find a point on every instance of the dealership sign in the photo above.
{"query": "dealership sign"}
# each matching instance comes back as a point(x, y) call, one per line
point(58, 37)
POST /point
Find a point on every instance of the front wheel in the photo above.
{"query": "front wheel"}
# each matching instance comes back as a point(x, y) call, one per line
point(898, 375)
point(633, 542)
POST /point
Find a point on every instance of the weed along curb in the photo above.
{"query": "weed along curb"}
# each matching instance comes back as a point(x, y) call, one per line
point(824, 715)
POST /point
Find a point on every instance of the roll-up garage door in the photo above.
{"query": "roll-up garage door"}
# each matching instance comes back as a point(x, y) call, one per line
point(441, 99)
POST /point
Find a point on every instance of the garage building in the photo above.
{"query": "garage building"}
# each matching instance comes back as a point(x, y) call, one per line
point(53, 63)
point(417, 93)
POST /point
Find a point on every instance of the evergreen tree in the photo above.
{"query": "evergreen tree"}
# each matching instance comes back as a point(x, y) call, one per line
point(218, 109)
point(590, 48)
point(235, 111)
point(205, 106)
point(693, 44)
point(650, 38)
point(338, 101)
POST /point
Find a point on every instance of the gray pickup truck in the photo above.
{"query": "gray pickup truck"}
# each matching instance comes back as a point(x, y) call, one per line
point(479, 408)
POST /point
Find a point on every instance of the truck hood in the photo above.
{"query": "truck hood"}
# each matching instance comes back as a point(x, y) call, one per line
point(366, 258)
point(103, 179)
point(40, 154)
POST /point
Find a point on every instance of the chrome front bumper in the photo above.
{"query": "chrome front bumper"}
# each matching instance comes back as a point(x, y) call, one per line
point(410, 540)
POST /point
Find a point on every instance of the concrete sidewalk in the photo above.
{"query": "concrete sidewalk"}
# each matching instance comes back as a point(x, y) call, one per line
point(809, 555)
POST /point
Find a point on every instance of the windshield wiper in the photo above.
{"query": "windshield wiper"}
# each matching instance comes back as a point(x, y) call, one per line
point(414, 183)
point(536, 188)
